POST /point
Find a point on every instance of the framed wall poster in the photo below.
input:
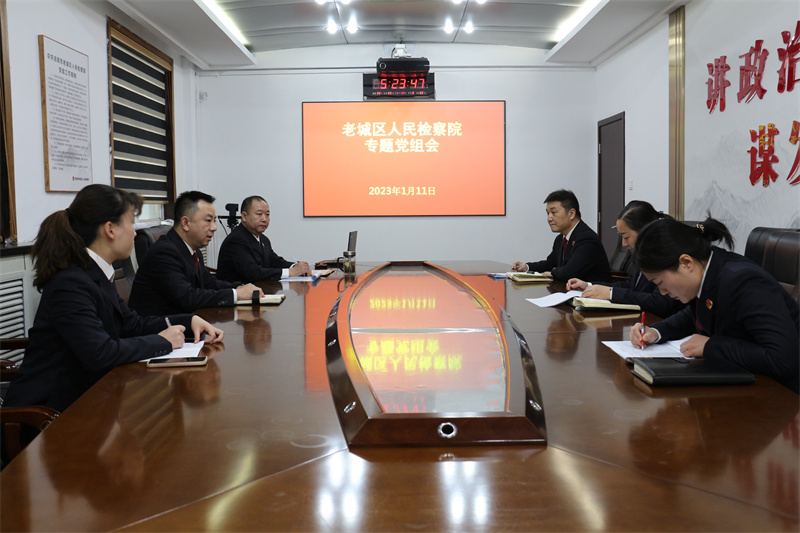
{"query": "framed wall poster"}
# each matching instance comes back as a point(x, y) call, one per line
point(65, 116)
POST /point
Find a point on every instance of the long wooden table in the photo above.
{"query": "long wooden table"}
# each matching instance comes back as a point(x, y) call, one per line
point(252, 442)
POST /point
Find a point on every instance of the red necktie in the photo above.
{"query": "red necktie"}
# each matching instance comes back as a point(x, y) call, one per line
point(196, 263)
point(563, 249)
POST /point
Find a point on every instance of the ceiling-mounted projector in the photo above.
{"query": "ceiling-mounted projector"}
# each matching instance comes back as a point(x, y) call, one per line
point(410, 67)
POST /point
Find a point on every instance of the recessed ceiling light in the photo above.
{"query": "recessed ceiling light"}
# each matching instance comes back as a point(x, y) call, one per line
point(352, 26)
point(320, 2)
point(448, 26)
point(332, 27)
point(468, 27)
point(481, 1)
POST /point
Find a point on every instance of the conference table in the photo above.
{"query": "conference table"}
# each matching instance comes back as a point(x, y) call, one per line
point(253, 441)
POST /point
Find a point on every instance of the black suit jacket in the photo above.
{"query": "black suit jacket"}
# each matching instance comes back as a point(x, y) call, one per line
point(167, 281)
point(585, 257)
point(242, 258)
point(637, 289)
point(749, 318)
point(82, 329)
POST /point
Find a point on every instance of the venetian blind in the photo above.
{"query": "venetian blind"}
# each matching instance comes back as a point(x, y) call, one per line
point(141, 118)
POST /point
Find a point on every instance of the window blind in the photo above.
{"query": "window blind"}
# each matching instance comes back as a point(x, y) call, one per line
point(141, 111)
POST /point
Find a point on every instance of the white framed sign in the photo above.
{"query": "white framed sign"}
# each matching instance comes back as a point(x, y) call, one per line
point(65, 116)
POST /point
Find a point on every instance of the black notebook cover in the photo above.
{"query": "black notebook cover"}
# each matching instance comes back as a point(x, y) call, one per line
point(690, 372)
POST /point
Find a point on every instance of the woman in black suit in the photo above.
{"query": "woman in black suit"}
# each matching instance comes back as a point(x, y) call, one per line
point(636, 289)
point(737, 311)
point(82, 327)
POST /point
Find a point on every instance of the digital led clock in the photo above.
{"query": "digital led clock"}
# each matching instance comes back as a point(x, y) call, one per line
point(402, 86)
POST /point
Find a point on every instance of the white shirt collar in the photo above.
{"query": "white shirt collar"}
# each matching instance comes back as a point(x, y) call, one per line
point(570, 231)
point(191, 250)
point(107, 269)
point(702, 281)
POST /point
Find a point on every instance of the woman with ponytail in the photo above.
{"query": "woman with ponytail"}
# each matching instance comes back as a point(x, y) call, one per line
point(636, 289)
point(737, 311)
point(82, 327)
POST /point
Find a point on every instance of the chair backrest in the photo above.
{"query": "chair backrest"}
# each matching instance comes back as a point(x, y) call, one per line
point(757, 242)
point(145, 238)
point(618, 255)
point(782, 260)
point(20, 425)
point(124, 273)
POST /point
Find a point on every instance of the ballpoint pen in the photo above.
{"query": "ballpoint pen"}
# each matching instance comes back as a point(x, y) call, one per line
point(169, 324)
point(641, 339)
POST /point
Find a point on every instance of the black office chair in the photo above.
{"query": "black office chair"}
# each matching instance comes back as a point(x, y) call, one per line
point(782, 260)
point(124, 273)
point(145, 238)
point(757, 242)
point(620, 261)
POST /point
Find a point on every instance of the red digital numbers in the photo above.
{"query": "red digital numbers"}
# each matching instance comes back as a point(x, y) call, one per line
point(398, 84)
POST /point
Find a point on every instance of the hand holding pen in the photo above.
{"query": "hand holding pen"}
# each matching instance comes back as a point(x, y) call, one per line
point(641, 339)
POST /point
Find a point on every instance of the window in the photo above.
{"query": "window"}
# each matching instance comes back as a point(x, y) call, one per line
point(141, 117)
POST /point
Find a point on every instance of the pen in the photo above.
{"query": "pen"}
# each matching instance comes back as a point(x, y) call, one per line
point(641, 340)
point(169, 324)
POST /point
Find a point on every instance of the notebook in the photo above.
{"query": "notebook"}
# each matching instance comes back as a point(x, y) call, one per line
point(690, 372)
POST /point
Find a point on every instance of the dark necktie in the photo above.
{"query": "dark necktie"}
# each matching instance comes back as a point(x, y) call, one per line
point(196, 262)
point(563, 249)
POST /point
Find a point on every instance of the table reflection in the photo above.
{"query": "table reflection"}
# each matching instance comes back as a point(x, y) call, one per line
point(428, 345)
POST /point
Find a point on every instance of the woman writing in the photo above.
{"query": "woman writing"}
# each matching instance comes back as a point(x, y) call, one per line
point(636, 289)
point(737, 311)
point(82, 328)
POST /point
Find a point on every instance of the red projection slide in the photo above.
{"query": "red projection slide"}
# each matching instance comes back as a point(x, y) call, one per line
point(403, 158)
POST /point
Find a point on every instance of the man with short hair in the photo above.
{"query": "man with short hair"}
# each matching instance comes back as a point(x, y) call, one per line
point(172, 277)
point(247, 255)
point(577, 251)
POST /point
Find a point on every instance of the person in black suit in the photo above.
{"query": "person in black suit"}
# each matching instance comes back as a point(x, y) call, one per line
point(577, 251)
point(172, 277)
point(82, 327)
point(636, 289)
point(737, 310)
point(246, 254)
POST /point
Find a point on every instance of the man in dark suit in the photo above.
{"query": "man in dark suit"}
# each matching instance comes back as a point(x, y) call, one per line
point(172, 278)
point(247, 255)
point(577, 251)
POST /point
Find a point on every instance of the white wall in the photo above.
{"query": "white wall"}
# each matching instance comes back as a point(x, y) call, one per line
point(717, 143)
point(636, 81)
point(81, 26)
point(249, 142)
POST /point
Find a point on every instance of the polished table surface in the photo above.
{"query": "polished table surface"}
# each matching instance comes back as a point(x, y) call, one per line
point(252, 442)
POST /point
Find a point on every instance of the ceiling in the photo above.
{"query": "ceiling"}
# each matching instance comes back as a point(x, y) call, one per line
point(199, 32)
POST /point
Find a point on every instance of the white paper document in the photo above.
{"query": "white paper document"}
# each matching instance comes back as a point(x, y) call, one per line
point(554, 299)
point(189, 349)
point(315, 275)
point(626, 349)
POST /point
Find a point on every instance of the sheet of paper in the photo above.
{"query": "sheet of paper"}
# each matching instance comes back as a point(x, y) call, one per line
point(498, 275)
point(554, 299)
point(189, 349)
point(315, 275)
point(626, 349)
